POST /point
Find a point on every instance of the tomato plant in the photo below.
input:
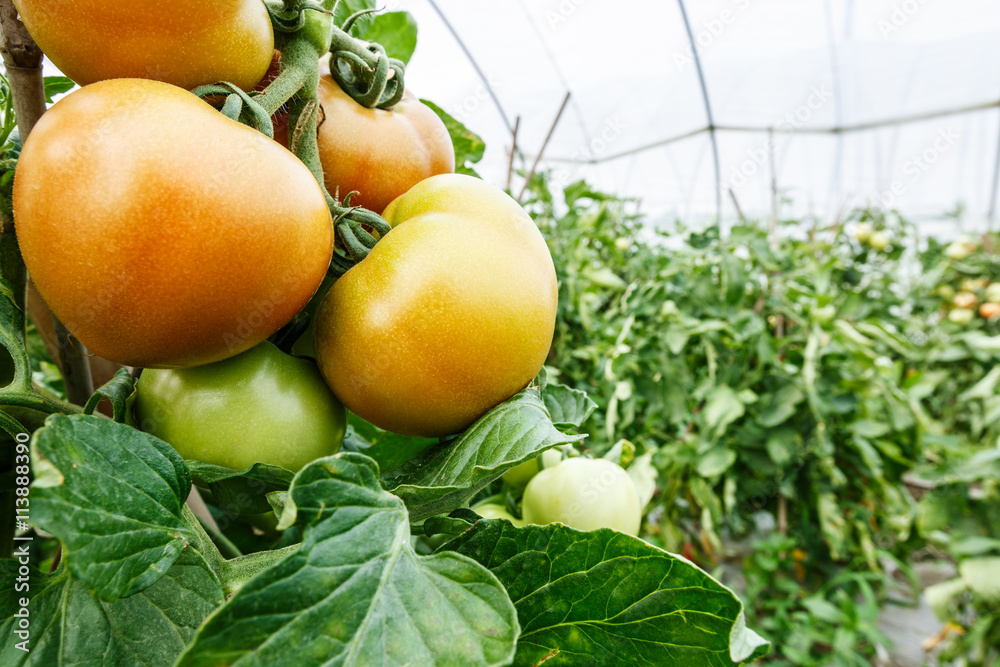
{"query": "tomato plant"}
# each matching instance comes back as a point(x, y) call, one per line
point(448, 316)
point(380, 153)
point(176, 237)
point(185, 43)
point(261, 406)
point(172, 224)
point(584, 493)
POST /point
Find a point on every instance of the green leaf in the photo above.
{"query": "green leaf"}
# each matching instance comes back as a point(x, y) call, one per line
point(778, 407)
point(722, 408)
point(56, 85)
point(117, 390)
point(448, 476)
point(469, 146)
point(984, 388)
point(606, 598)
point(939, 596)
point(355, 592)
point(70, 626)
point(716, 461)
point(974, 545)
point(644, 476)
point(114, 496)
point(346, 8)
point(869, 428)
point(241, 492)
point(395, 31)
point(390, 450)
point(567, 407)
point(824, 610)
point(982, 576)
point(783, 444)
point(831, 521)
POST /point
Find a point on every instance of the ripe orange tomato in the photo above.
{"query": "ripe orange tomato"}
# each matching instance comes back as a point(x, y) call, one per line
point(183, 42)
point(162, 233)
point(379, 153)
point(452, 312)
point(989, 310)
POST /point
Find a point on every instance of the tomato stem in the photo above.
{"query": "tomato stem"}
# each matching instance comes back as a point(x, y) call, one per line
point(289, 81)
point(373, 76)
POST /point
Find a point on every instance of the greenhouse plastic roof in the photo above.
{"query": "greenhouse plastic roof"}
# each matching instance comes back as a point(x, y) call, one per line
point(891, 102)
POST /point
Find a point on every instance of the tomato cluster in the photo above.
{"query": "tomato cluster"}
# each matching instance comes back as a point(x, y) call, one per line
point(170, 237)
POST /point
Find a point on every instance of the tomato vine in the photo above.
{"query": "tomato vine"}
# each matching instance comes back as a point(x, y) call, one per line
point(305, 33)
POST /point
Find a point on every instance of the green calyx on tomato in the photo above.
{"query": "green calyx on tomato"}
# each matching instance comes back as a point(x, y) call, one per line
point(585, 494)
point(262, 406)
point(451, 313)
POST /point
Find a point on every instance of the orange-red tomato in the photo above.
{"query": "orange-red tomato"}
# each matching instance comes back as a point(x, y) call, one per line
point(162, 233)
point(451, 313)
point(184, 42)
point(989, 310)
point(380, 154)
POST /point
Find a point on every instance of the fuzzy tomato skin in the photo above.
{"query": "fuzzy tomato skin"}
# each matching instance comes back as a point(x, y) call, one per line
point(585, 494)
point(183, 42)
point(379, 153)
point(452, 312)
point(162, 233)
point(262, 406)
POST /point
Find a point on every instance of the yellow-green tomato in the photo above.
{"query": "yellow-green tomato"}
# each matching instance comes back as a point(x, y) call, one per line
point(451, 314)
point(585, 494)
point(261, 406)
point(864, 231)
point(494, 511)
point(879, 240)
point(961, 315)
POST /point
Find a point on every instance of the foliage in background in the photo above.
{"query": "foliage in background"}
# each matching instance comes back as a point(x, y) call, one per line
point(785, 383)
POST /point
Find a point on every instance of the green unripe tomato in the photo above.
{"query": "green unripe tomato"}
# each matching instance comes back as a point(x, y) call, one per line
point(261, 406)
point(585, 494)
point(864, 231)
point(494, 511)
point(521, 474)
point(879, 240)
point(961, 316)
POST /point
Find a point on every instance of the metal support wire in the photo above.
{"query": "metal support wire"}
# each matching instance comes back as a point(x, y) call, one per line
point(708, 112)
point(860, 127)
point(475, 66)
point(836, 177)
point(991, 216)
